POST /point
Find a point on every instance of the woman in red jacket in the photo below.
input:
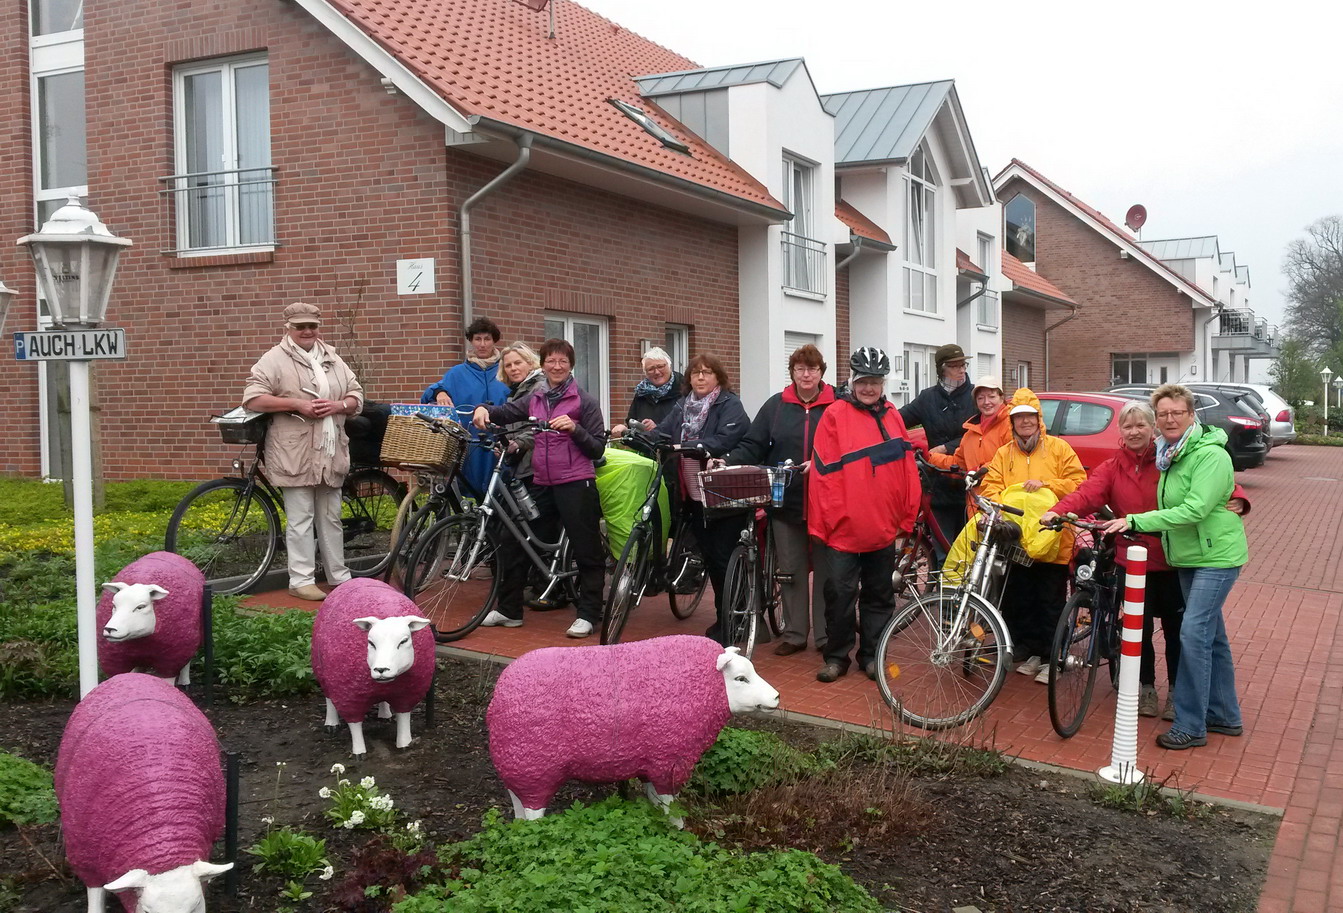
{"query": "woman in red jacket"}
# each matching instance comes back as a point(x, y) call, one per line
point(1127, 484)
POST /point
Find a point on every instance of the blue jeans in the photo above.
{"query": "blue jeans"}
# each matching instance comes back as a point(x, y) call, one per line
point(1205, 687)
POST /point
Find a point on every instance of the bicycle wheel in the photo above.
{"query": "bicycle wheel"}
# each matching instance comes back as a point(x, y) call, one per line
point(1072, 665)
point(451, 575)
point(370, 500)
point(228, 531)
point(741, 605)
point(935, 677)
point(687, 577)
point(771, 592)
point(915, 568)
point(627, 584)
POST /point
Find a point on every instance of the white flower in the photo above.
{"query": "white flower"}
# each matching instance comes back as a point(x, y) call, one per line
point(357, 817)
point(338, 768)
point(279, 763)
point(268, 821)
point(349, 824)
point(368, 782)
point(327, 873)
point(324, 792)
point(342, 782)
point(413, 828)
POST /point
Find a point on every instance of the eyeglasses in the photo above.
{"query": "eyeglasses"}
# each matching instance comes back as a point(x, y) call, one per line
point(806, 369)
point(1174, 413)
point(301, 327)
point(700, 371)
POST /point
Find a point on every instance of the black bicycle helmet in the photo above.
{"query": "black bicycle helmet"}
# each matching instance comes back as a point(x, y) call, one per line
point(869, 361)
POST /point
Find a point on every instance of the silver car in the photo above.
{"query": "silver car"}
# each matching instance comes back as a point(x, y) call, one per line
point(1282, 417)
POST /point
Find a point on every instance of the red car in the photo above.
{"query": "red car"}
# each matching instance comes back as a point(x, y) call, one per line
point(1087, 421)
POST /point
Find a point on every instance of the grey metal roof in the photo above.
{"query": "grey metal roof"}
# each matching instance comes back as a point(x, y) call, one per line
point(1243, 274)
point(1228, 261)
point(1182, 248)
point(881, 125)
point(775, 72)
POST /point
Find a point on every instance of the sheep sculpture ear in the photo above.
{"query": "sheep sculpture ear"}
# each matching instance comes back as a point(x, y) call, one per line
point(727, 656)
point(156, 592)
point(364, 623)
point(207, 870)
point(114, 586)
point(135, 879)
point(416, 623)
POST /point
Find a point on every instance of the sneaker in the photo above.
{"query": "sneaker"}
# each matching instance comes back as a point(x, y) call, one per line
point(1043, 675)
point(580, 628)
point(1175, 740)
point(787, 649)
point(1032, 666)
point(831, 672)
point(1223, 729)
point(309, 591)
point(1168, 709)
point(497, 619)
point(1147, 701)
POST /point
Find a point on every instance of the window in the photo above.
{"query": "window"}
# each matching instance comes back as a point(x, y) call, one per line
point(984, 252)
point(983, 366)
point(1049, 408)
point(1019, 215)
point(986, 310)
point(678, 345)
point(1128, 368)
point(52, 16)
point(1023, 374)
point(921, 234)
point(651, 127)
point(223, 191)
point(919, 369)
point(794, 341)
point(588, 337)
point(803, 255)
point(1085, 418)
point(60, 141)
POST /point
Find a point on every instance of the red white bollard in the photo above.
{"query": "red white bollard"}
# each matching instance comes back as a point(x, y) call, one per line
point(1123, 767)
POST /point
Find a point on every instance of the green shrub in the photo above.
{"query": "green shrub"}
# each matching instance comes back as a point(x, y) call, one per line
point(1319, 440)
point(624, 856)
point(746, 759)
point(262, 655)
point(26, 792)
point(916, 755)
point(39, 656)
point(289, 853)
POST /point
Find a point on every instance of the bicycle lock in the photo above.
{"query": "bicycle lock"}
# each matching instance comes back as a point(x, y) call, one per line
point(1123, 766)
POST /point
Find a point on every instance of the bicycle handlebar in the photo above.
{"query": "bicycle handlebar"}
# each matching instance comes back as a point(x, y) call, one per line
point(1087, 525)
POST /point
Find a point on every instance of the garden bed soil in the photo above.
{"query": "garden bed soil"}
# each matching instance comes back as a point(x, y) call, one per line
point(1020, 841)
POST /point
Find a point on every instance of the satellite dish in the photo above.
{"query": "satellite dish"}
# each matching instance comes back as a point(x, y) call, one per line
point(1136, 216)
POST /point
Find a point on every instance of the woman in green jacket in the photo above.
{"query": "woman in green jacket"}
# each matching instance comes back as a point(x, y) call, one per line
point(1206, 544)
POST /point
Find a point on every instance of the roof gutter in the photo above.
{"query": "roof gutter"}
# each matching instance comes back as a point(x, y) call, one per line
point(857, 249)
point(524, 142)
point(1051, 328)
point(1207, 344)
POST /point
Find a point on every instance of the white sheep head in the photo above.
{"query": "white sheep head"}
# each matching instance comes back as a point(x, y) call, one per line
point(132, 610)
point(747, 692)
point(390, 651)
point(174, 891)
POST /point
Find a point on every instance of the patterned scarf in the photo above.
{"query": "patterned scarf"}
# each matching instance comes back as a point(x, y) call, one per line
point(696, 410)
point(553, 394)
point(647, 388)
point(1166, 451)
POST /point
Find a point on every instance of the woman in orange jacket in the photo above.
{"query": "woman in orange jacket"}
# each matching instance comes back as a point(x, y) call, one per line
point(984, 434)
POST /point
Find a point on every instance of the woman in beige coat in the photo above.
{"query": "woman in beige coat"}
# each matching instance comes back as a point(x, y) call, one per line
point(311, 391)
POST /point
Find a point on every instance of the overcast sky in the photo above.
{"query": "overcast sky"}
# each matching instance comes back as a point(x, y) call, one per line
point(1221, 118)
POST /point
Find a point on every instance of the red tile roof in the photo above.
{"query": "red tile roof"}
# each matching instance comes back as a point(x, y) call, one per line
point(1023, 277)
point(492, 60)
point(860, 224)
point(1120, 233)
point(965, 264)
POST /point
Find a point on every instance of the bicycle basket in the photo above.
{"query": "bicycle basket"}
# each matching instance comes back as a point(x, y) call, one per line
point(735, 488)
point(411, 444)
point(242, 426)
point(1016, 554)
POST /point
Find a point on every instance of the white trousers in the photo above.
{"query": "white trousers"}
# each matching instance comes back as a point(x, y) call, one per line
point(303, 507)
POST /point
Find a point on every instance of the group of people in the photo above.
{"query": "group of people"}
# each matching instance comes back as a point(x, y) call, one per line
point(842, 518)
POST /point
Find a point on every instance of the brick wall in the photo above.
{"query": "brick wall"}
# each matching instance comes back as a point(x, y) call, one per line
point(1123, 306)
point(1024, 340)
point(18, 410)
point(364, 180)
point(842, 349)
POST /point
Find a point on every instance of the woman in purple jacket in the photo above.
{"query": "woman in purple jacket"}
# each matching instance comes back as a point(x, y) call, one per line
point(563, 478)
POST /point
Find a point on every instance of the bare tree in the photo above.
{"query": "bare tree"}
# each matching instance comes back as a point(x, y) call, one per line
point(1314, 270)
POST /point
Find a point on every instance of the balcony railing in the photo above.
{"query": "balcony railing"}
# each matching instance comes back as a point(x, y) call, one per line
point(220, 210)
point(1261, 329)
point(1236, 322)
point(986, 309)
point(803, 264)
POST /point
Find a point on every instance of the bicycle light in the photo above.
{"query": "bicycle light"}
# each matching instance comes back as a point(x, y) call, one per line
point(1085, 572)
point(237, 467)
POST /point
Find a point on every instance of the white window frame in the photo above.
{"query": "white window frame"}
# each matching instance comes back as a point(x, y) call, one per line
point(677, 339)
point(804, 267)
point(919, 370)
point(1023, 374)
point(603, 394)
point(984, 363)
point(179, 206)
point(921, 227)
point(984, 247)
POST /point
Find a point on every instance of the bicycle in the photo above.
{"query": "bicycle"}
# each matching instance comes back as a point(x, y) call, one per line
point(916, 555)
point(943, 657)
point(752, 581)
point(452, 574)
point(644, 557)
point(230, 527)
point(1089, 630)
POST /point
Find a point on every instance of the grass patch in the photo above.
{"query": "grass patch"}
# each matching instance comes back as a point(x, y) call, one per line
point(27, 795)
point(916, 756)
point(1150, 797)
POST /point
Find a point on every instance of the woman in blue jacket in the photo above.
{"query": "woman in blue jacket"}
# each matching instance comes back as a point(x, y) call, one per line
point(475, 382)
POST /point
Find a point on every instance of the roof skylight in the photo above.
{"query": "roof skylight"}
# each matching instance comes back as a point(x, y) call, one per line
point(650, 126)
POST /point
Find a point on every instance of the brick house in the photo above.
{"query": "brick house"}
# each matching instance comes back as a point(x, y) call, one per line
point(1134, 314)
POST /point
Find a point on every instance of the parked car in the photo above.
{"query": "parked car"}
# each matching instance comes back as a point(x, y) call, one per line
point(1282, 417)
point(1247, 396)
point(1247, 438)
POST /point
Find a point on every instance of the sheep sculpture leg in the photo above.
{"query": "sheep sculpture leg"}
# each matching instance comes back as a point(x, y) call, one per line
point(96, 898)
point(403, 730)
point(184, 677)
point(332, 718)
point(664, 801)
point(357, 747)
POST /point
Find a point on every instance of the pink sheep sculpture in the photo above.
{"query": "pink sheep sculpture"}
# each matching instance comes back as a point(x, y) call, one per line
point(150, 617)
point(370, 646)
point(603, 714)
point(141, 795)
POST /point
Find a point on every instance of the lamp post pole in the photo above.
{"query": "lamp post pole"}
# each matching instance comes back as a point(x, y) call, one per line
point(76, 260)
point(1325, 374)
point(1338, 388)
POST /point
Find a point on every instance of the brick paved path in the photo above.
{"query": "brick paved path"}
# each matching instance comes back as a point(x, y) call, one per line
point(1285, 621)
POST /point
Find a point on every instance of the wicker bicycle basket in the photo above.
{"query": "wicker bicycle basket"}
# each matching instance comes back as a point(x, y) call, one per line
point(735, 488)
point(411, 444)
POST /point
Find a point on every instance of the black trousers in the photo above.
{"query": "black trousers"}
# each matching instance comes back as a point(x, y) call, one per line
point(859, 599)
point(717, 538)
point(1164, 600)
point(1032, 602)
point(575, 507)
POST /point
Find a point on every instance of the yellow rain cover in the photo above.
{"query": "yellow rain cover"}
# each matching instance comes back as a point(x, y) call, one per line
point(1040, 544)
point(622, 484)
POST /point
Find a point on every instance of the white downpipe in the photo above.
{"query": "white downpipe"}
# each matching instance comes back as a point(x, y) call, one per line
point(81, 451)
point(1123, 767)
